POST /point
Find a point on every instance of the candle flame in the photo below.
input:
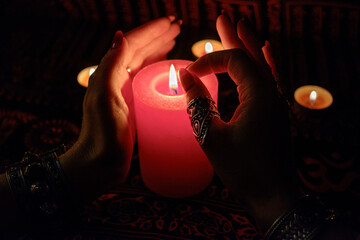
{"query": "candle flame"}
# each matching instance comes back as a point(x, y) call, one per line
point(91, 71)
point(173, 85)
point(313, 96)
point(208, 47)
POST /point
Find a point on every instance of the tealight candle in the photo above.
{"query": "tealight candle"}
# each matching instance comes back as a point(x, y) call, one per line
point(203, 47)
point(84, 75)
point(313, 97)
point(172, 162)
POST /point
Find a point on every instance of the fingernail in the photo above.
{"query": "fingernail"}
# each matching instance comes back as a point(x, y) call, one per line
point(117, 40)
point(171, 18)
point(267, 43)
point(224, 13)
point(268, 47)
point(186, 78)
point(180, 22)
point(245, 20)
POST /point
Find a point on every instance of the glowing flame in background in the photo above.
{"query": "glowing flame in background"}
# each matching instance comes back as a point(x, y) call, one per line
point(208, 47)
point(91, 71)
point(312, 97)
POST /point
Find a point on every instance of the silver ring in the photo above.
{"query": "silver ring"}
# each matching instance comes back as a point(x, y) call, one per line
point(201, 111)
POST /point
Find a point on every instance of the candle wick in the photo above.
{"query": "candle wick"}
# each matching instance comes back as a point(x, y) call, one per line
point(174, 91)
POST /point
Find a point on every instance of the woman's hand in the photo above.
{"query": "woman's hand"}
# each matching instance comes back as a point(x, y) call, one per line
point(101, 157)
point(251, 152)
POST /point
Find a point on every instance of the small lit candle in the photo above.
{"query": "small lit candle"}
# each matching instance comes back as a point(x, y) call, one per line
point(203, 47)
point(172, 162)
point(313, 97)
point(84, 75)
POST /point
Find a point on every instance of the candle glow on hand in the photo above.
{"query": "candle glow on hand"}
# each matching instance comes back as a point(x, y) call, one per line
point(208, 48)
point(173, 85)
point(312, 97)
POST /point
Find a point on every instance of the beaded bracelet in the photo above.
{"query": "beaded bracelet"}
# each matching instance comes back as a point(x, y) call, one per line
point(303, 221)
point(39, 187)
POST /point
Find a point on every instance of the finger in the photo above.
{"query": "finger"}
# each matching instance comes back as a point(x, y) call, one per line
point(234, 61)
point(208, 128)
point(155, 47)
point(242, 70)
point(269, 57)
point(161, 55)
point(111, 72)
point(251, 43)
point(227, 32)
point(145, 34)
point(192, 85)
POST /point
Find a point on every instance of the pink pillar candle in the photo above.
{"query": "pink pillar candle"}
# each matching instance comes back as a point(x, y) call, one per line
point(172, 162)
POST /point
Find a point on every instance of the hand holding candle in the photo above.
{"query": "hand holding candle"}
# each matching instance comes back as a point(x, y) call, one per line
point(148, 43)
point(251, 152)
point(100, 158)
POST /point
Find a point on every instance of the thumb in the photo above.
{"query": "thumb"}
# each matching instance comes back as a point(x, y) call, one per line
point(116, 58)
point(111, 72)
point(192, 85)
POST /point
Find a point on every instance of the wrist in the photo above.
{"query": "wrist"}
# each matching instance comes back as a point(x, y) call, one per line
point(266, 211)
point(88, 172)
point(39, 190)
point(305, 219)
point(75, 164)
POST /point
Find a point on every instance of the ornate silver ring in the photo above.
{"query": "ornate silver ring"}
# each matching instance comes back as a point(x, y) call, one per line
point(201, 111)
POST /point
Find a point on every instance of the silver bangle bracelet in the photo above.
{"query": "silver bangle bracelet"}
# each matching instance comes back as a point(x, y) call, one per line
point(303, 221)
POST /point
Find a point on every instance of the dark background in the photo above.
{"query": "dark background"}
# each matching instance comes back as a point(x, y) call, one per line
point(44, 44)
